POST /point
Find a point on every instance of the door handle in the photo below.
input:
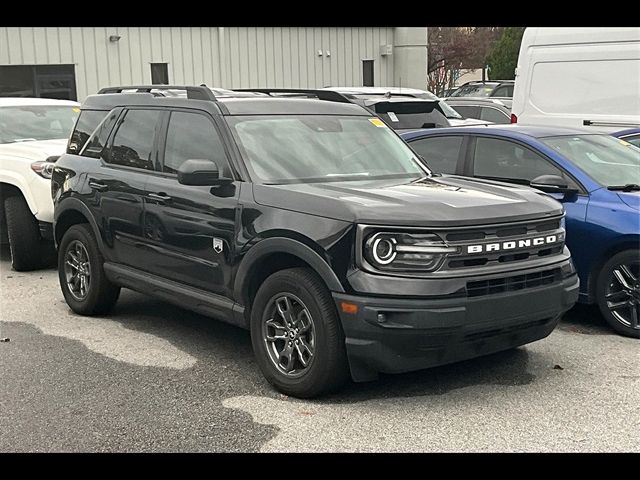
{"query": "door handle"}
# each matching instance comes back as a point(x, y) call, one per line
point(160, 197)
point(100, 187)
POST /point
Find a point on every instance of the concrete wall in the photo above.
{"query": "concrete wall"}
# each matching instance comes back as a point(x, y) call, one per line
point(222, 56)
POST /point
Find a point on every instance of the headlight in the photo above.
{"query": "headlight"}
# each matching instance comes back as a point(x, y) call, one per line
point(402, 251)
point(563, 223)
point(44, 169)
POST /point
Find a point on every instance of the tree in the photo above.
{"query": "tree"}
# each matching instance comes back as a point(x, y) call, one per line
point(451, 49)
point(503, 58)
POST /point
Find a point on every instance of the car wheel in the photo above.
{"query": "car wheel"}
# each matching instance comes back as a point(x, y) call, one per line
point(84, 284)
point(618, 292)
point(24, 235)
point(296, 334)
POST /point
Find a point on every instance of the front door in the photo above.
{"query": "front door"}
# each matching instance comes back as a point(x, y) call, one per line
point(190, 230)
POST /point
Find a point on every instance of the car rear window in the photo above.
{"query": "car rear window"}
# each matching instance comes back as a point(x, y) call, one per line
point(410, 115)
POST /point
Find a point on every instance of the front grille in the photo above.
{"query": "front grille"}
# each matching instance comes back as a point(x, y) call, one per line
point(481, 288)
point(463, 238)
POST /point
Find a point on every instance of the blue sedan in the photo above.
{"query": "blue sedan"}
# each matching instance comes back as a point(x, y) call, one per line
point(595, 176)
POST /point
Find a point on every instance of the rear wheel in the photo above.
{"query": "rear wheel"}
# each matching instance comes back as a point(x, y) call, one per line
point(24, 235)
point(296, 334)
point(84, 284)
point(618, 292)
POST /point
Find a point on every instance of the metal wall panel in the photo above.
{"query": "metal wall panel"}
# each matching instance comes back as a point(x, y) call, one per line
point(226, 57)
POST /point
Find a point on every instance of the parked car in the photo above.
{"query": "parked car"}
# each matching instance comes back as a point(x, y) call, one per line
point(33, 133)
point(577, 77)
point(631, 135)
point(454, 118)
point(492, 110)
point(313, 225)
point(595, 176)
point(488, 88)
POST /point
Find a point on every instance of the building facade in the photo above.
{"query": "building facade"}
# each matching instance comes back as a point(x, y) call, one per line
point(73, 62)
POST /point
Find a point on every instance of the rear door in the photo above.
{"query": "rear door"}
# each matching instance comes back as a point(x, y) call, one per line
point(117, 186)
point(189, 230)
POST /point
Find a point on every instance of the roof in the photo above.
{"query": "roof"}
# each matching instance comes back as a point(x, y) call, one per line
point(243, 104)
point(488, 82)
point(503, 102)
point(513, 131)
point(628, 131)
point(31, 102)
point(382, 90)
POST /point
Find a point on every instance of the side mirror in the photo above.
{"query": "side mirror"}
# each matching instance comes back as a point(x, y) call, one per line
point(200, 172)
point(553, 184)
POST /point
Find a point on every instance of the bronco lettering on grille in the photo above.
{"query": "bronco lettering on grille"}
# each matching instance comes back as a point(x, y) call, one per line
point(513, 244)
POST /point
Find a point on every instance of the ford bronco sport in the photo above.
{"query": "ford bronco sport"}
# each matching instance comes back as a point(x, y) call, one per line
point(310, 223)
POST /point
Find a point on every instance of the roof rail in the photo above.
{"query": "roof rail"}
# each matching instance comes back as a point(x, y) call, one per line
point(328, 95)
point(193, 93)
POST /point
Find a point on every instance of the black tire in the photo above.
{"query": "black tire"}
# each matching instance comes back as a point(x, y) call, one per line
point(24, 235)
point(607, 281)
point(101, 294)
point(329, 368)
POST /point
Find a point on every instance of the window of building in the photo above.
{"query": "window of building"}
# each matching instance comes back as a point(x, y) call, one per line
point(367, 73)
point(192, 136)
point(132, 144)
point(440, 153)
point(45, 81)
point(160, 73)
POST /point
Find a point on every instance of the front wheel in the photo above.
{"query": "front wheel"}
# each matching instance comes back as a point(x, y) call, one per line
point(296, 334)
point(618, 292)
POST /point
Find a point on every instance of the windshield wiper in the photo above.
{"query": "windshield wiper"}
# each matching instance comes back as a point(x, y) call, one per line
point(629, 187)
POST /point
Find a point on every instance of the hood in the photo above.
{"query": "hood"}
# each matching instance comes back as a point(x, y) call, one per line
point(437, 201)
point(465, 122)
point(630, 198)
point(36, 150)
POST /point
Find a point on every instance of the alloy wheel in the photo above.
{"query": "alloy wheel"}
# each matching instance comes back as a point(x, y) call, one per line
point(623, 294)
point(288, 332)
point(77, 270)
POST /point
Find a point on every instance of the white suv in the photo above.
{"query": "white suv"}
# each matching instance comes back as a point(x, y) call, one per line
point(33, 133)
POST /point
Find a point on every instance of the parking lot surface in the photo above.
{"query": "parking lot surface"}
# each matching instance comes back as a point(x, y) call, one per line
point(154, 377)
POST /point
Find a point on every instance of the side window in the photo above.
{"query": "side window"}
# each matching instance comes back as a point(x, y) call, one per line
point(98, 140)
point(509, 161)
point(132, 143)
point(440, 153)
point(87, 121)
point(494, 115)
point(503, 91)
point(467, 111)
point(192, 136)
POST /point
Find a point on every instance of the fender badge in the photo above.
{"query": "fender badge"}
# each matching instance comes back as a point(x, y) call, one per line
point(217, 245)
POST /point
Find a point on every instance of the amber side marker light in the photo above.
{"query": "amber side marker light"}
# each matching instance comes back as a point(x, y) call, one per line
point(347, 307)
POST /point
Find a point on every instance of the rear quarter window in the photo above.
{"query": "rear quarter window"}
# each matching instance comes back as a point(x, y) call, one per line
point(87, 122)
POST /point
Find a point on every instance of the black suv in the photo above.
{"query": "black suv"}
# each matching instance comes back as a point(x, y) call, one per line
point(311, 223)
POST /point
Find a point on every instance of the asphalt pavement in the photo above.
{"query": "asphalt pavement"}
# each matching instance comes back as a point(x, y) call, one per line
point(154, 377)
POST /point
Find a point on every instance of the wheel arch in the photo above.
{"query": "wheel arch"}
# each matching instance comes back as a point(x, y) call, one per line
point(627, 242)
point(271, 255)
point(72, 212)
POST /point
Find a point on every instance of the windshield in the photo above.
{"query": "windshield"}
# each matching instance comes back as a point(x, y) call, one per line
point(40, 122)
point(477, 90)
point(321, 148)
point(608, 160)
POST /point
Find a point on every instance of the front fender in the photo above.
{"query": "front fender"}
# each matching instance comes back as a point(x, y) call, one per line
point(289, 246)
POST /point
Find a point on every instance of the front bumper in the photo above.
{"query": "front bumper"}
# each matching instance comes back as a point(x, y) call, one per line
point(393, 335)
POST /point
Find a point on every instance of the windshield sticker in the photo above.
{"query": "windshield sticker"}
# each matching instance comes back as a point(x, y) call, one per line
point(75, 109)
point(377, 122)
point(625, 143)
point(393, 117)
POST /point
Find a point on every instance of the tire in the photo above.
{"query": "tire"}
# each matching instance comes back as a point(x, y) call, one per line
point(100, 295)
point(24, 235)
point(328, 369)
point(610, 291)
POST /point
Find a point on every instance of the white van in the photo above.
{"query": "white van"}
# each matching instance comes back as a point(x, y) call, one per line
point(578, 77)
